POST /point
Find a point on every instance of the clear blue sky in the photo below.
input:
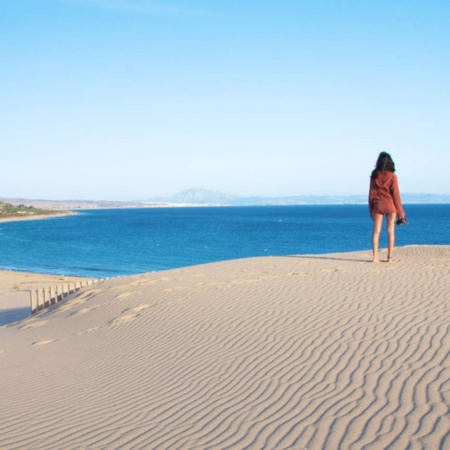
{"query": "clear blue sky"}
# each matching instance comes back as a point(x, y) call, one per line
point(130, 99)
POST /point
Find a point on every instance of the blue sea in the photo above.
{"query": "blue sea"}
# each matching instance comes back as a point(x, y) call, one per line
point(105, 243)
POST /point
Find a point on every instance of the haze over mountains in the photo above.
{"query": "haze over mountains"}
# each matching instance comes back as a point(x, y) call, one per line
point(199, 196)
point(205, 197)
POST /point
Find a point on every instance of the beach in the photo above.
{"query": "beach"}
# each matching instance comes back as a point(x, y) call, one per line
point(290, 352)
point(36, 217)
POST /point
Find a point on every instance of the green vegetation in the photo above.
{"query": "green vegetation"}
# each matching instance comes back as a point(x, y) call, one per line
point(11, 211)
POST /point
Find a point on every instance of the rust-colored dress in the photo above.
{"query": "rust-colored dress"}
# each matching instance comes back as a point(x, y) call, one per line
point(384, 195)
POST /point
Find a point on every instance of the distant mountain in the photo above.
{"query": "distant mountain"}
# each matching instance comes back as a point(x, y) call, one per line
point(425, 198)
point(199, 196)
point(300, 200)
point(71, 204)
point(205, 197)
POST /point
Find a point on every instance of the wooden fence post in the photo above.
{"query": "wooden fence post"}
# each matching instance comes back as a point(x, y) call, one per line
point(50, 295)
point(39, 299)
point(32, 303)
point(45, 297)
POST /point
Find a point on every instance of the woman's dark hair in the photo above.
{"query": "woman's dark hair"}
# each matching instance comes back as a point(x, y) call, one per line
point(384, 164)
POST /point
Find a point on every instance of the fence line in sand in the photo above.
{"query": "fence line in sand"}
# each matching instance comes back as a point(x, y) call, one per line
point(45, 297)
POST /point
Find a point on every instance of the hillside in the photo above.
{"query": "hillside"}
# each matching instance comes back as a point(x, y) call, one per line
point(204, 197)
point(9, 211)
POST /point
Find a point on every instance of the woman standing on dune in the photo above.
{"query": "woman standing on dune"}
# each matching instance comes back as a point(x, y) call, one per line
point(384, 200)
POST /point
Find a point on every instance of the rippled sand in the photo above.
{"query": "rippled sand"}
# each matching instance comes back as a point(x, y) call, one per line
point(317, 352)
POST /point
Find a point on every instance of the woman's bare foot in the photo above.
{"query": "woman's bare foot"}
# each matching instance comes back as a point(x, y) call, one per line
point(389, 259)
point(375, 260)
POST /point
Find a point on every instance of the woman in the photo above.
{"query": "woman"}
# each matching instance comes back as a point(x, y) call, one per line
point(384, 200)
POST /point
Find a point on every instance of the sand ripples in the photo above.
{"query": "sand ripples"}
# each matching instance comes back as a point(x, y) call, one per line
point(325, 352)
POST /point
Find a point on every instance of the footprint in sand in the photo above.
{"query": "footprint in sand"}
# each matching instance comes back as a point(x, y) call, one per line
point(131, 314)
point(90, 330)
point(126, 295)
point(84, 311)
point(48, 341)
point(70, 305)
point(87, 295)
point(34, 325)
point(2, 350)
point(177, 288)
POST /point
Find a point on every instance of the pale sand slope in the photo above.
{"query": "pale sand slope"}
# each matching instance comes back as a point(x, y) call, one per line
point(37, 217)
point(317, 352)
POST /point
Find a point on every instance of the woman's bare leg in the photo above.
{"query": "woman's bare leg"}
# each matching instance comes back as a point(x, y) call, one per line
point(390, 228)
point(377, 223)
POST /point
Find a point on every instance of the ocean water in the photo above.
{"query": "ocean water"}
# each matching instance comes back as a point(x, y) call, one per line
point(105, 243)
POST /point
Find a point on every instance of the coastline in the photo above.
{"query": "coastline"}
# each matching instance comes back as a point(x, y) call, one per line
point(93, 241)
point(37, 217)
point(302, 351)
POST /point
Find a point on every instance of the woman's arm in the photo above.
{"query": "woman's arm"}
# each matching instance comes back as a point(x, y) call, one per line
point(395, 192)
point(371, 198)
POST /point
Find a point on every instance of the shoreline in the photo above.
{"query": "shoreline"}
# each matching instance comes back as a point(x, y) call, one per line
point(37, 217)
point(325, 255)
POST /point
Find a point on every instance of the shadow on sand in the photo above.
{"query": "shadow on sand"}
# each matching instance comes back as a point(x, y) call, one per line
point(331, 258)
point(13, 315)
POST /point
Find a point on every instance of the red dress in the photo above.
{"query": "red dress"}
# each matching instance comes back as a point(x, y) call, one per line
point(384, 195)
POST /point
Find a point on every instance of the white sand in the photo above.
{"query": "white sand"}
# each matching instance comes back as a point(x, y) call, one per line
point(37, 216)
point(317, 352)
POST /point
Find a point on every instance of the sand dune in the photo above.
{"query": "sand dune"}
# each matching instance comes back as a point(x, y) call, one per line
point(317, 352)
